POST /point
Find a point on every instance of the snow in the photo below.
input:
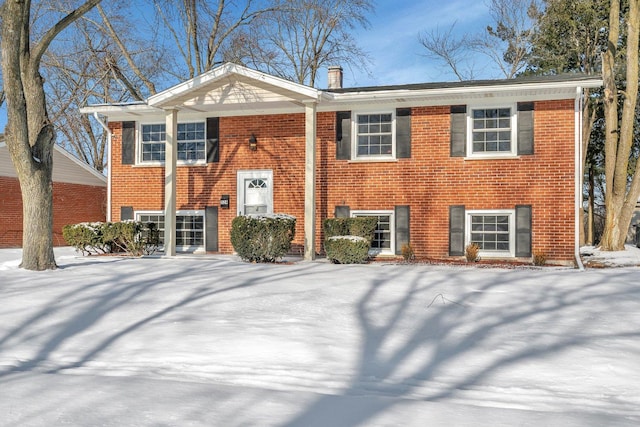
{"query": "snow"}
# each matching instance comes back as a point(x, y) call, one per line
point(209, 340)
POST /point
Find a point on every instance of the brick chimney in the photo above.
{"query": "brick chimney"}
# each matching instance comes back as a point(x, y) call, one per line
point(335, 77)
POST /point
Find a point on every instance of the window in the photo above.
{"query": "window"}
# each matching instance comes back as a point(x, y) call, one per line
point(384, 237)
point(191, 147)
point(153, 138)
point(189, 231)
point(492, 231)
point(189, 228)
point(157, 219)
point(492, 132)
point(375, 135)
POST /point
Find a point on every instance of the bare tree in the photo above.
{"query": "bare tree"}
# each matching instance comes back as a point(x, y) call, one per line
point(507, 43)
point(29, 133)
point(200, 29)
point(454, 51)
point(299, 37)
point(621, 193)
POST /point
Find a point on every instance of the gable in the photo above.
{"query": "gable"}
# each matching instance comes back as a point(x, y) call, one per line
point(231, 89)
point(66, 168)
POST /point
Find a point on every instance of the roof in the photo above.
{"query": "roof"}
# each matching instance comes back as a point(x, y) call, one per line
point(546, 79)
point(233, 90)
point(66, 168)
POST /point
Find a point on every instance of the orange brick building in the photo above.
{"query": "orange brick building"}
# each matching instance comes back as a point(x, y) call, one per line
point(440, 165)
point(79, 195)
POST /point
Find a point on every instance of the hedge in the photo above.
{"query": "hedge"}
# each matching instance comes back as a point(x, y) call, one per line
point(262, 237)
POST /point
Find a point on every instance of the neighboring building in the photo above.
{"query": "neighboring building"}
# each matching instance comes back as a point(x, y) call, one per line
point(79, 194)
point(440, 165)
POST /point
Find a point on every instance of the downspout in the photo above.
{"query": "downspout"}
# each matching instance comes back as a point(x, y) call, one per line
point(579, 175)
point(106, 128)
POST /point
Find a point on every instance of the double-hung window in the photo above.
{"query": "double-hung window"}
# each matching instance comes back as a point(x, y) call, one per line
point(383, 239)
point(374, 137)
point(492, 231)
point(191, 142)
point(492, 131)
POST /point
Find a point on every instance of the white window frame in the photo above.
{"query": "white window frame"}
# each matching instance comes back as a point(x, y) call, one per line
point(392, 230)
point(511, 213)
point(354, 136)
point(189, 248)
point(140, 161)
point(514, 131)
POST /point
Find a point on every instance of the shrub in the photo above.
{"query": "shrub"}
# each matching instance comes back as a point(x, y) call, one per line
point(539, 258)
point(407, 252)
point(262, 237)
point(471, 252)
point(347, 249)
point(86, 237)
point(348, 240)
point(130, 237)
point(363, 226)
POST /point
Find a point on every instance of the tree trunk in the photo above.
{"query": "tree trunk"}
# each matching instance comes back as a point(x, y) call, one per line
point(37, 240)
point(29, 133)
point(620, 199)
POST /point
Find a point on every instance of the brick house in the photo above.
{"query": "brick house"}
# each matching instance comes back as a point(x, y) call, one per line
point(79, 195)
point(439, 165)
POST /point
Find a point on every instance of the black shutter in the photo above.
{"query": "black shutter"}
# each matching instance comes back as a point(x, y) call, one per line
point(403, 133)
point(343, 135)
point(213, 139)
point(128, 143)
point(342, 212)
point(456, 230)
point(126, 212)
point(211, 223)
point(523, 230)
point(458, 130)
point(402, 227)
point(525, 128)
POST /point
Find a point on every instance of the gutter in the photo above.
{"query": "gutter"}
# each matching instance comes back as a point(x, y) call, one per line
point(579, 175)
point(106, 128)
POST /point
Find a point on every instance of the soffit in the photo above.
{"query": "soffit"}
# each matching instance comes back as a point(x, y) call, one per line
point(66, 168)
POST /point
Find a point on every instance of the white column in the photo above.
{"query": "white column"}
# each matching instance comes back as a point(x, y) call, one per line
point(171, 160)
point(310, 182)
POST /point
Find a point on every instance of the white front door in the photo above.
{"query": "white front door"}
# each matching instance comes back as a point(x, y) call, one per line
point(255, 192)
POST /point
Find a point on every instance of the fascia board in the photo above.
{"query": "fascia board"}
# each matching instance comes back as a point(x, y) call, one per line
point(450, 96)
point(224, 71)
point(121, 112)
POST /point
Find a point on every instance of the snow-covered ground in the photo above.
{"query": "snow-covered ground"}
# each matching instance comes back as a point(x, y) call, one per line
point(208, 340)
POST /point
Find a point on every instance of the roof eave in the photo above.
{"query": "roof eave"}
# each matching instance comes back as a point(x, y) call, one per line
point(165, 99)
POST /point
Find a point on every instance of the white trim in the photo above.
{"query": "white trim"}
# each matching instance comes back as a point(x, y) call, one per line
point(579, 174)
point(392, 229)
point(226, 70)
point(514, 132)
point(354, 136)
point(104, 125)
point(511, 213)
point(197, 212)
point(157, 163)
point(242, 175)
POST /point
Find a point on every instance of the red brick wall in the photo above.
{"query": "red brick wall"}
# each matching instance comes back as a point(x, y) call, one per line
point(280, 148)
point(430, 181)
point(72, 203)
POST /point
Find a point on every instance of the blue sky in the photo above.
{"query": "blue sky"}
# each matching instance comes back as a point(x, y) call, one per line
point(392, 42)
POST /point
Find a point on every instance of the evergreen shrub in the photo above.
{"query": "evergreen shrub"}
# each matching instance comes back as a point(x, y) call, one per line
point(131, 237)
point(347, 249)
point(348, 240)
point(262, 237)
